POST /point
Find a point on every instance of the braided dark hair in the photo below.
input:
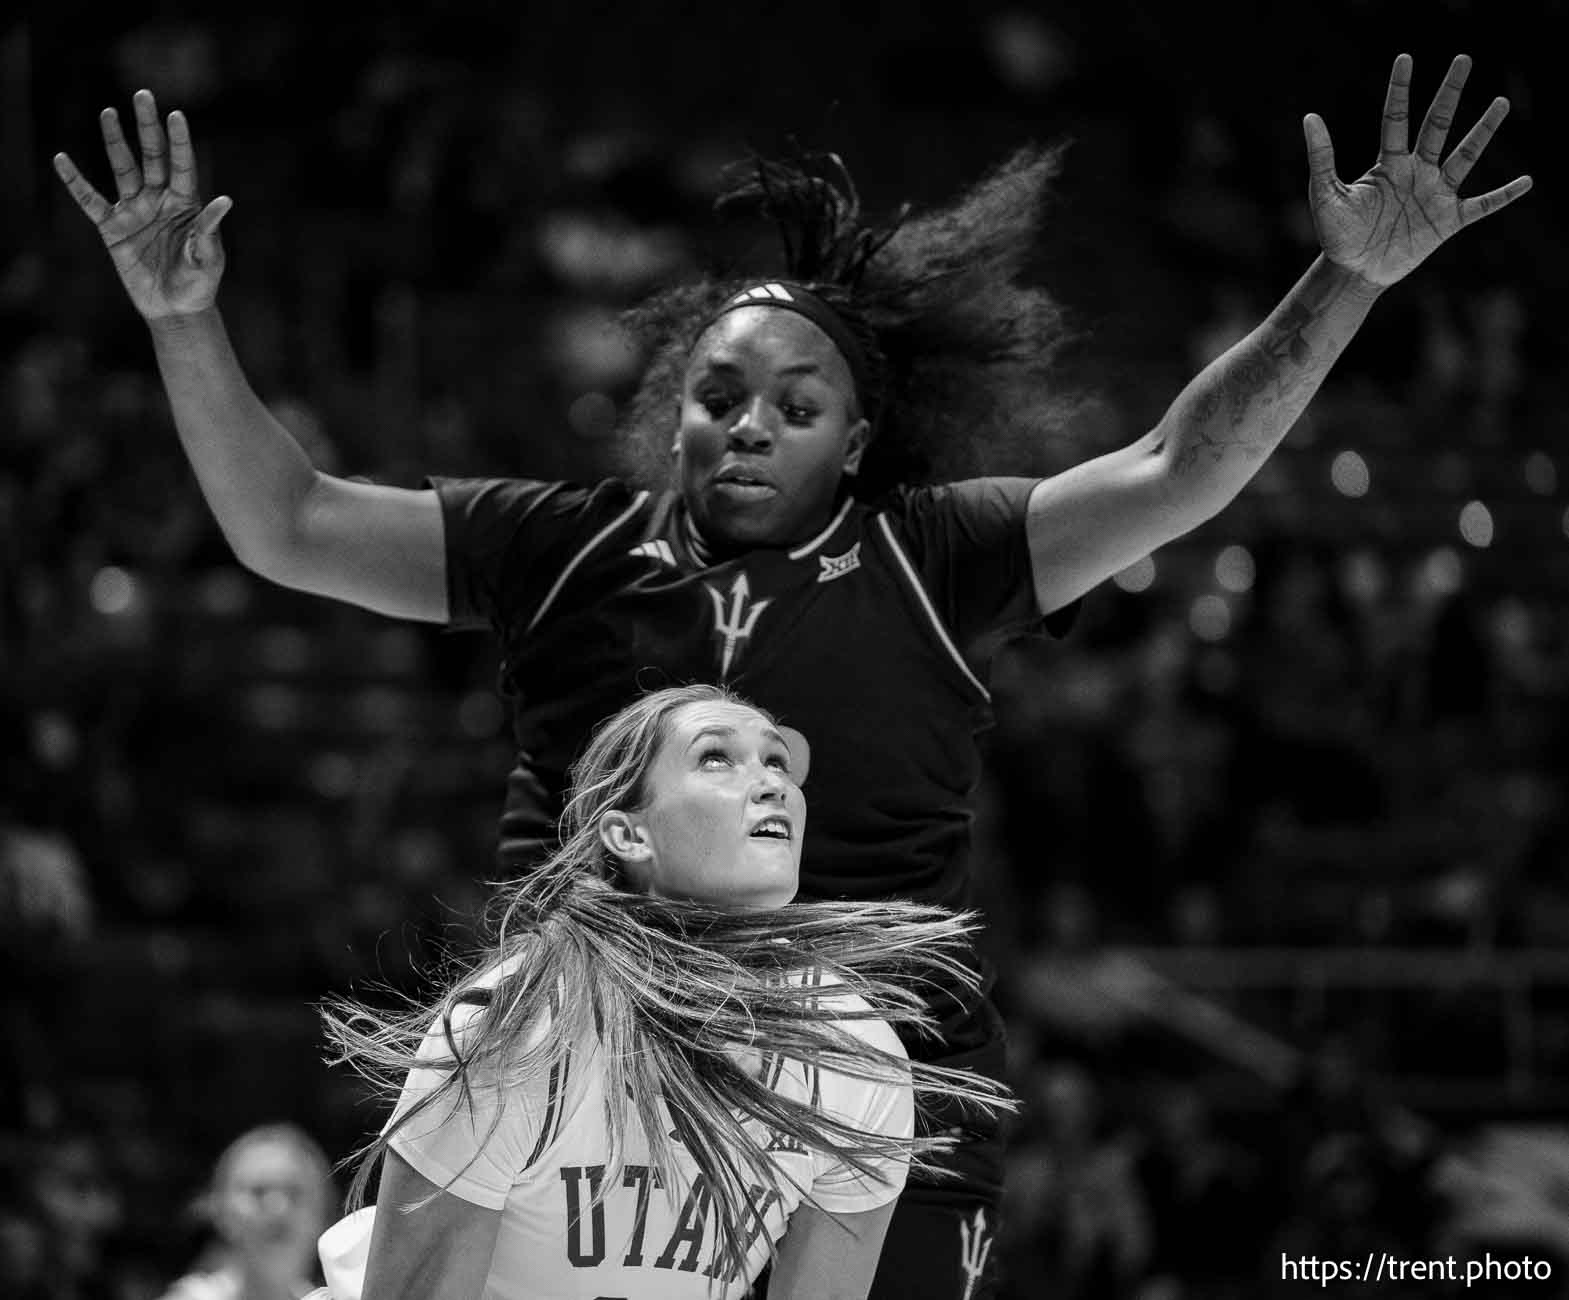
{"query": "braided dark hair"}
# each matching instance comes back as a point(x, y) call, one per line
point(959, 351)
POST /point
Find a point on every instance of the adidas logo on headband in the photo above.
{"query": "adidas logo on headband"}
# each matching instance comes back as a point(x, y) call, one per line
point(770, 292)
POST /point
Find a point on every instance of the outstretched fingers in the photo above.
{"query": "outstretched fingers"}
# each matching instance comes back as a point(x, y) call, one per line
point(127, 175)
point(1458, 165)
point(87, 198)
point(1320, 152)
point(1441, 115)
point(201, 243)
point(1397, 108)
point(154, 153)
point(1484, 205)
point(182, 158)
point(209, 217)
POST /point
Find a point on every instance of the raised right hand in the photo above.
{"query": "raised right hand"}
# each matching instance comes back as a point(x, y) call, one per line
point(163, 242)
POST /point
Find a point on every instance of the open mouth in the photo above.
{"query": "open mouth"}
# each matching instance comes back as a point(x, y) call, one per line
point(771, 828)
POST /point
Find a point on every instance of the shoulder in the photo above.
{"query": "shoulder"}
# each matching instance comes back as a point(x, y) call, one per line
point(858, 1018)
point(996, 499)
point(876, 1098)
point(968, 544)
point(526, 497)
point(854, 1014)
point(521, 1080)
point(460, 1015)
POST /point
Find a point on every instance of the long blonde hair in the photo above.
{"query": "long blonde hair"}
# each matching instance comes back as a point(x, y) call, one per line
point(673, 991)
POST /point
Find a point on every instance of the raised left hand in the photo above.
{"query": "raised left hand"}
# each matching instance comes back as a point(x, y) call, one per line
point(1383, 224)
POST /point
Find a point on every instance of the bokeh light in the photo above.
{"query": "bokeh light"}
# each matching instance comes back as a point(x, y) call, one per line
point(1476, 524)
point(1138, 576)
point(112, 591)
point(56, 740)
point(1364, 576)
point(1541, 474)
point(1210, 618)
point(332, 775)
point(1235, 570)
point(1442, 572)
point(1350, 474)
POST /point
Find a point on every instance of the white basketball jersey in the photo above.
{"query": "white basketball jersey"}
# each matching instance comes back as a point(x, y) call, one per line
point(540, 1154)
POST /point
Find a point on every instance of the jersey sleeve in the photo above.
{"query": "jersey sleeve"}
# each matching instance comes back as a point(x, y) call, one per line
point(968, 543)
point(478, 1146)
point(508, 542)
point(885, 1107)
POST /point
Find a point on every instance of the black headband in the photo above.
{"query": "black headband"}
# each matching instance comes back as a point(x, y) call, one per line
point(789, 296)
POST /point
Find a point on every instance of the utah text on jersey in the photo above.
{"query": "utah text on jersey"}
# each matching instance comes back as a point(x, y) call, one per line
point(649, 1230)
point(681, 1245)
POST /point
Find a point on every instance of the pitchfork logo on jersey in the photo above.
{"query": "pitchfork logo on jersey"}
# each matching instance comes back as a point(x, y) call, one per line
point(734, 619)
point(975, 1248)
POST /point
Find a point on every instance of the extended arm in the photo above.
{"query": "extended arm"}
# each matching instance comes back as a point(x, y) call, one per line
point(1095, 519)
point(829, 1256)
point(379, 547)
point(376, 546)
point(444, 1248)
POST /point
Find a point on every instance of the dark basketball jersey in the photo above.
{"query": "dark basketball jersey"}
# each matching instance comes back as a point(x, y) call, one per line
point(856, 638)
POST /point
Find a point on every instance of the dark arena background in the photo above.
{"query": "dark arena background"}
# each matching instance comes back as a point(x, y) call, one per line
point(1273, 845)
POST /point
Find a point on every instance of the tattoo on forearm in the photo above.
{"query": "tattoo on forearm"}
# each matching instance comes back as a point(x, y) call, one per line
point(1259, 390)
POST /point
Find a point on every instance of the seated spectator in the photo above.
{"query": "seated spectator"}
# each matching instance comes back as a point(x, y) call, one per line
point(270, 1198)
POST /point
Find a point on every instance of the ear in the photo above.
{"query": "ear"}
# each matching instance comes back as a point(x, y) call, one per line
point(855, 445)
point(625, 837)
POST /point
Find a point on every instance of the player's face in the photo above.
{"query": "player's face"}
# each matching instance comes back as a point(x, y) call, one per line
point(768, 429)
point(724, 820)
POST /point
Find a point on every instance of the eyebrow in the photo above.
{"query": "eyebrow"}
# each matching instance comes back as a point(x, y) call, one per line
point(729, 733)
point(734, 368)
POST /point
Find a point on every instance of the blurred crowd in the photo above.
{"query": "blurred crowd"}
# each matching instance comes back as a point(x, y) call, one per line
point(1272, 843)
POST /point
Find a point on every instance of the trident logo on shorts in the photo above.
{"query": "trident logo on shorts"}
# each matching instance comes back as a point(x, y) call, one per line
point(975, 1250)
point(734, 625)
